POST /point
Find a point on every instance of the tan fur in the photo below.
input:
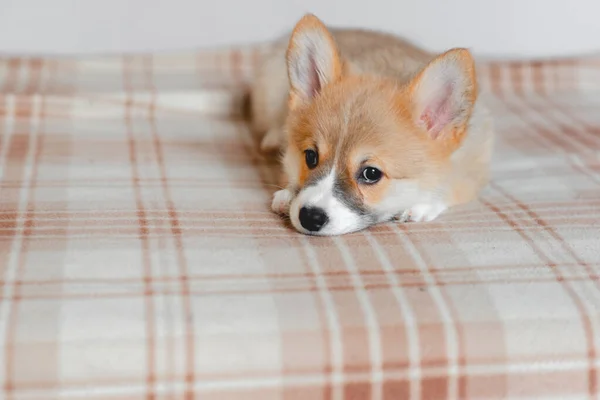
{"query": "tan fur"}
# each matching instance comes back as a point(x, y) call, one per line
point(368, 114)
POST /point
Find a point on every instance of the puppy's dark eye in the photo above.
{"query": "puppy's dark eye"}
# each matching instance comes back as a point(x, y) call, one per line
point(370, 175)
point(312, 158)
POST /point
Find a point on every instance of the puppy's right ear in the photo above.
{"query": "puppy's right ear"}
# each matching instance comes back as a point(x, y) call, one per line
point(313, 60)
point(443, 95)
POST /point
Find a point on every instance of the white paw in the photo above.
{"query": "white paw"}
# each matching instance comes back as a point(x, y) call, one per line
point(271, 141)
point(281, 201)
point(425, 212)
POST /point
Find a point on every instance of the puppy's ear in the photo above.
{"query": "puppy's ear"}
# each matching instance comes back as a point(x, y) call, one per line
point(313, 60)
point(443, 94)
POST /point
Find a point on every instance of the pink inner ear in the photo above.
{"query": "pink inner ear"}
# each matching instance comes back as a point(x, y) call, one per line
point(306, 75)
point(438, 112)
point(314, 81)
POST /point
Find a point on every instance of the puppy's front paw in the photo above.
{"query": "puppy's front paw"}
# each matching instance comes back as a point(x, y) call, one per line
point(281, 201)
point(425, 212)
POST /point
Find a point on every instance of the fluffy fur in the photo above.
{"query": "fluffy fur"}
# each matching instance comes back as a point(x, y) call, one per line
point(363, 99)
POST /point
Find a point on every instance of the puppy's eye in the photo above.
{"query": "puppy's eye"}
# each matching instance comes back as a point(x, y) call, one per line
point(370, 175)
point(312, 158)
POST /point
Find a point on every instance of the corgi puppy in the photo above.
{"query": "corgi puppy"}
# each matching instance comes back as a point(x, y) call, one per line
point(371, 128)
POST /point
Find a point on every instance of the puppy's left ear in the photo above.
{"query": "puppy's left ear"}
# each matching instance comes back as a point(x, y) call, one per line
point(313, 60)
point(443, 95)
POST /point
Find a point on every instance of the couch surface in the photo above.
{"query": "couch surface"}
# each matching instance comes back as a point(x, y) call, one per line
point(139, 258)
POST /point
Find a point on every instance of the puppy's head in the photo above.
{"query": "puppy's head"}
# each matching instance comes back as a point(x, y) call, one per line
point(362, 149)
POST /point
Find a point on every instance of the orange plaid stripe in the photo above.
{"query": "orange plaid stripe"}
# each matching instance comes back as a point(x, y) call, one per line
point(139, 258)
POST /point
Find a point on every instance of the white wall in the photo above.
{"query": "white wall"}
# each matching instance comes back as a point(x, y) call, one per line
point(490, 27)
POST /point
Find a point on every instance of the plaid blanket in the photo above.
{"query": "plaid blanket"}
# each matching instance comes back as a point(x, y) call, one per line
point(139, 258)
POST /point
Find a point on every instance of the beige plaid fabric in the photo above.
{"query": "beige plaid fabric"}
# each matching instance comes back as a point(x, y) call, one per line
point(139, 258)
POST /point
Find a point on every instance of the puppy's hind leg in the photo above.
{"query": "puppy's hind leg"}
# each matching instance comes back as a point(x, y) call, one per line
point(269, 94)
point(273, 140)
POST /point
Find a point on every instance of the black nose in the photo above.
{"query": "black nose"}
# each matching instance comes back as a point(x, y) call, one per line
point(312, 218)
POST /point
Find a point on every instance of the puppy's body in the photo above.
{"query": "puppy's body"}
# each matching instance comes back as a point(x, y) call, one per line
point(364, 101)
